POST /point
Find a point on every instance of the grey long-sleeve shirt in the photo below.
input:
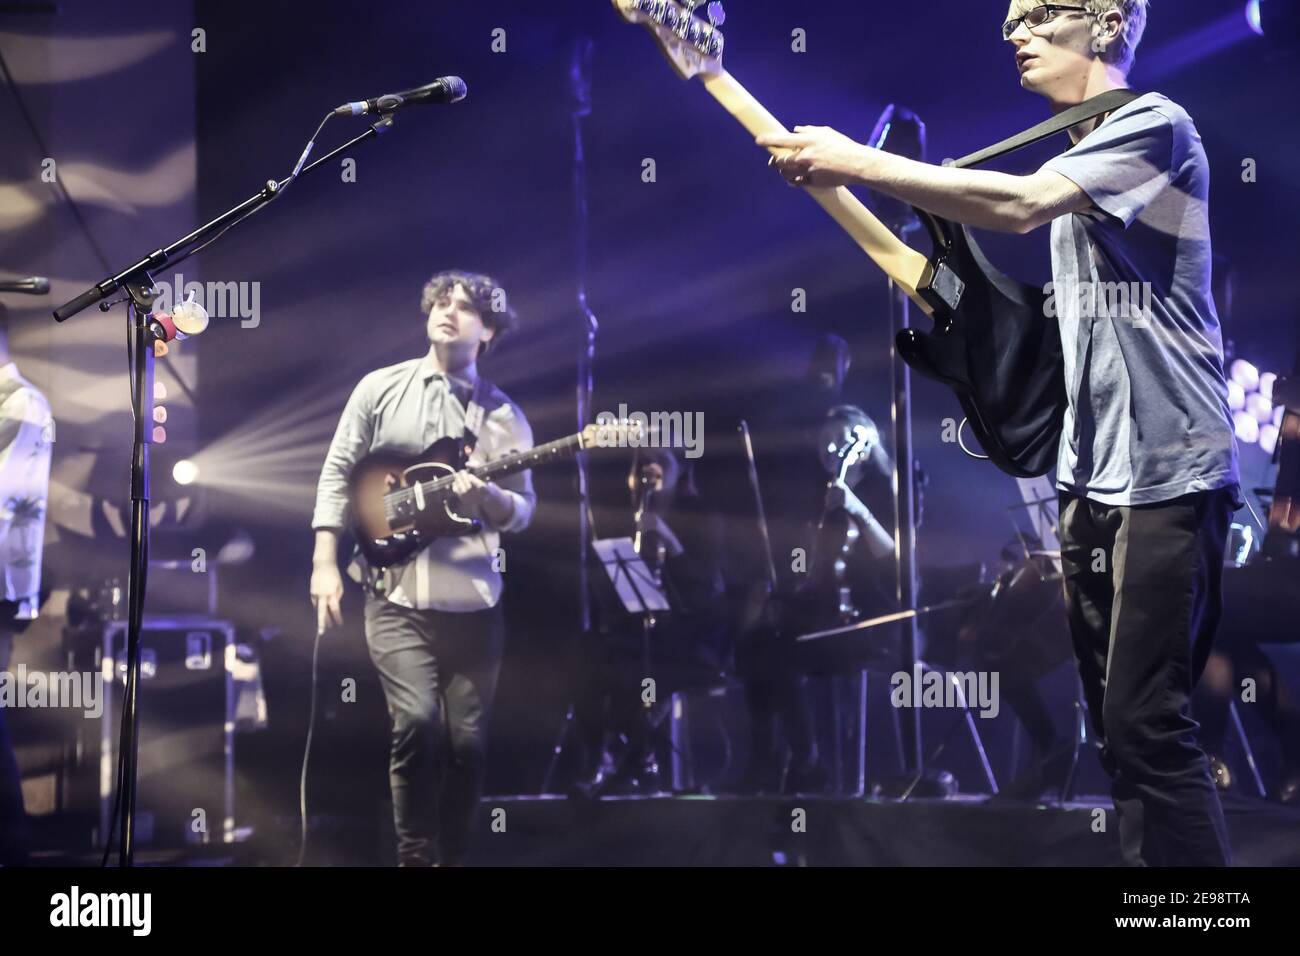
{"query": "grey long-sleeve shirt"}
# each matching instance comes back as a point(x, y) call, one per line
point(406, 408)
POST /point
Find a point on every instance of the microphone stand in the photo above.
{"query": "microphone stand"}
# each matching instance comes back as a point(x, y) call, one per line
point(138, 283)
point(580, 107)
point(580, 79)
point(908, 138)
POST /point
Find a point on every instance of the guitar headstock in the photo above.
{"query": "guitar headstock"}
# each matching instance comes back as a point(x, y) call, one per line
point(624, 433)
point(857, 449)
point(693, 46)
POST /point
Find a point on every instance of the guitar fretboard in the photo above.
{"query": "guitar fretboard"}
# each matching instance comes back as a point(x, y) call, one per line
point(496, 469)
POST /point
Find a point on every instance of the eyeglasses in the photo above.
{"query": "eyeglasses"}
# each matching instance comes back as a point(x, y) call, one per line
point(1036, 17)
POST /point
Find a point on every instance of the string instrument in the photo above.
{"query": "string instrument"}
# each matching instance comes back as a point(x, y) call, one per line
point(990, 343)
point(837, 533)
point(401, 503)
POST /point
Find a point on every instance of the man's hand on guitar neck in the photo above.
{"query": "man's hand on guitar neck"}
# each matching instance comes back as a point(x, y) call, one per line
point(822, 158)
point(818, 156)
point(326, 581)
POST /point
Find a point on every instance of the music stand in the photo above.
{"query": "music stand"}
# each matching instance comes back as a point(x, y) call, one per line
point(635, 584)
point(641, 594)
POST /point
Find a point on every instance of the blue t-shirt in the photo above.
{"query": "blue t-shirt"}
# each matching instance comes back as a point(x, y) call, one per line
point(1148, 416)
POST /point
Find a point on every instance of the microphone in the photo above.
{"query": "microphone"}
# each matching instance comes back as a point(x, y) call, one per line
point(445, 89)
point(32, 285)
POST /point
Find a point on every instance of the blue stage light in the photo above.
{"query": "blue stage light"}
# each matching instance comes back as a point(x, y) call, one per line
point(1253, 16)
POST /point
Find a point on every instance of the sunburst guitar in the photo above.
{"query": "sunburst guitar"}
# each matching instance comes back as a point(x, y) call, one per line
point(401, 503)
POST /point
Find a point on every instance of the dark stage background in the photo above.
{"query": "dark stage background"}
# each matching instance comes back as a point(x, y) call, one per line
point(691, 276)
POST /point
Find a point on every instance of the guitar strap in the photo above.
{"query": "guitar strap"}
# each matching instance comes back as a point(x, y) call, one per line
point(473, 419)
point(1089, 109)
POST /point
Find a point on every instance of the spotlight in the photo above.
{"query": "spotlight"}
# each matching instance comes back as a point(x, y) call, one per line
point(1260, 407)
point(1236, 396)
point(1266, 385)
point(1268, 438)
point(1246, 427)
point(1245, 375)
point(1278, 20)
point(1254, 18)
point(185, 472)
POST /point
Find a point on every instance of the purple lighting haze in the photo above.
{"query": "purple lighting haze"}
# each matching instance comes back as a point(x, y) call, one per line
point(1210, 39)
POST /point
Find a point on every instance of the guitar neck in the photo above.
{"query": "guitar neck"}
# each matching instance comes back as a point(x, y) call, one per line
point(499, 468)
point(903, 264)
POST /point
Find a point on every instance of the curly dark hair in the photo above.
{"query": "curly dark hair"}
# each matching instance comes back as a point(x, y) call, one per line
point(489, 299)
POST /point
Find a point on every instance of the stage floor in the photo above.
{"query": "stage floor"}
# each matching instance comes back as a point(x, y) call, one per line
point(554, 831)
point(761, 831)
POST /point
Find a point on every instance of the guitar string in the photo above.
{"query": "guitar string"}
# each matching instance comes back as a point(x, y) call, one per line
point(399, 497)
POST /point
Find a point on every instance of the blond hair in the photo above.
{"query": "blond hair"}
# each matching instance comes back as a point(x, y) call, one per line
point(1134, 12)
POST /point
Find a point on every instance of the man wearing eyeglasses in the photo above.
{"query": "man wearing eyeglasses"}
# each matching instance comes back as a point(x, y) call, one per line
point(1147, 470)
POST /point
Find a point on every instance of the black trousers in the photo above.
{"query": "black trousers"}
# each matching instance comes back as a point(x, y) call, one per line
point(439, 672)
point(1142, 589)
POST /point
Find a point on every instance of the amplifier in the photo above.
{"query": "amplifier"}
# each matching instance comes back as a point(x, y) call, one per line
point(186, 750)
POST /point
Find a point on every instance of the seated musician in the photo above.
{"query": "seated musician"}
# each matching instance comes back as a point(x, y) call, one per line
point(679, 536)
point(833, 547)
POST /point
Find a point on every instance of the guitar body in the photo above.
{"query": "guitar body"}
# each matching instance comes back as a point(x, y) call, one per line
point(400, 503)
point(387, 531)
point(998, 350)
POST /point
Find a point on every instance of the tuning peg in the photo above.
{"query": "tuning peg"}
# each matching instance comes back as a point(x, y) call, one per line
point(717, 16)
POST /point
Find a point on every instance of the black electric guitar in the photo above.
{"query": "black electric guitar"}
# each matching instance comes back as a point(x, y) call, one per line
point(992, 343)
point(401, 503)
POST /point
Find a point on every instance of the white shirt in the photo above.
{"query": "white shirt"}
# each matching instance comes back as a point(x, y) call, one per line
point(26, 444)
point(405, 408)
